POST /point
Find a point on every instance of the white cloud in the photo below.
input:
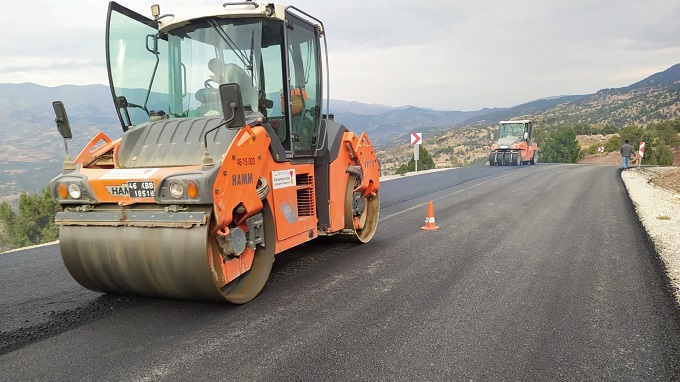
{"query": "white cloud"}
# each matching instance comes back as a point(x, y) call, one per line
point(443, 54)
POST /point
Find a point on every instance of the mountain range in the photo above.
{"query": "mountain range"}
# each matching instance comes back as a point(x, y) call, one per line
point(653, 99)
point(31, 149)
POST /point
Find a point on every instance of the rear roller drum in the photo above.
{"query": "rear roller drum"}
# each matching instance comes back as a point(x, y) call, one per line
point(364, 210)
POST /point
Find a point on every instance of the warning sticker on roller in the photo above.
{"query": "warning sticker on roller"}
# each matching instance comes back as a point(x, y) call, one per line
point(283, 178)
point(129, 173)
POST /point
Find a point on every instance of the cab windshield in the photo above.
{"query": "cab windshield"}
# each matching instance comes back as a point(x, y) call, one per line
point(177, 75)
point(512, 130)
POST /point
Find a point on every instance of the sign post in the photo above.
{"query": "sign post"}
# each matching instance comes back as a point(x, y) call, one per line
point(600, 150)
point(642, 153)
point(416, 139)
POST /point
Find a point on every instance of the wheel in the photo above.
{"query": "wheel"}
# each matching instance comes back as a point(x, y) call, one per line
point(361, 214)
point(533, 159)
point(247, 286)
point(507, 158)
point(492, 159)
point(516, 159)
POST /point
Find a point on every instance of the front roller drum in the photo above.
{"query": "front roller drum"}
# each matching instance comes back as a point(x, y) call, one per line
point(145, 261)
point(168, 262)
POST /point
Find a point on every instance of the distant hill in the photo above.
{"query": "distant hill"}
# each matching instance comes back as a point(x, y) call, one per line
point(492, 117)
point(27, 116)
point(654, 99)
point(339, 106)
point(31, 150)
point(395, 126)
point(668, 76)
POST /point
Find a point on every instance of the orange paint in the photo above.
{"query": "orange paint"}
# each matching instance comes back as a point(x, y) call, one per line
point(292, 196)
point(92, 151)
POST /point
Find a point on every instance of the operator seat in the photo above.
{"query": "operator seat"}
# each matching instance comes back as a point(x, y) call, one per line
point(234, 74)
point(210, 101)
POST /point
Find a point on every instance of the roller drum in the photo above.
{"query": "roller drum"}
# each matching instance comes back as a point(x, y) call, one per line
point(147, 261)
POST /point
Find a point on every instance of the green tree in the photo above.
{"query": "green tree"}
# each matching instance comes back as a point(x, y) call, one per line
point(665, 131)
point(8, 218)
point(561, 147)
point(613, 144)
point(663, 155)
point(425, 162)
point(648, 138)
point(609, 129)
point(633, 134)
point(34, 221)
point(584, 129)
point(592, 149)
point(675, 123)
point(539, 136)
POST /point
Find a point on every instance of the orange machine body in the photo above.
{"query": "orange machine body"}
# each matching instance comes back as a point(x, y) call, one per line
point(293, 195)
point(212, 176)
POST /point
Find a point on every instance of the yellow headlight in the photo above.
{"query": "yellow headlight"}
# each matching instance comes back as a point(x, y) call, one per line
point(63, 191)
point(192, 189)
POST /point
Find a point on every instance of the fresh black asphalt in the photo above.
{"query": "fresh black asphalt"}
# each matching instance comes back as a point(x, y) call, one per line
point(537, 273)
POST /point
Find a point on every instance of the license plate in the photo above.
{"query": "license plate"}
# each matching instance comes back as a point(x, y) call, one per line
point(141, 189)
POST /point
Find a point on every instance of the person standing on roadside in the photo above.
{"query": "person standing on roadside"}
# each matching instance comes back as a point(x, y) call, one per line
point(626, 152)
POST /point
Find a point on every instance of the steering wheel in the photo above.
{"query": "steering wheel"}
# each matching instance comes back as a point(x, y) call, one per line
point(207, 84)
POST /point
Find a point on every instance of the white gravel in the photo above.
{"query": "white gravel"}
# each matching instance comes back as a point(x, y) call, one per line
point(659, 212)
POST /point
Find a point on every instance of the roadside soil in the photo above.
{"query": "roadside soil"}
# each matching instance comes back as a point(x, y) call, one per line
point(668, 178)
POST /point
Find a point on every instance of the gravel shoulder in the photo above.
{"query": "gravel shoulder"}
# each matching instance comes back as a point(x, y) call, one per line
point(655, 192)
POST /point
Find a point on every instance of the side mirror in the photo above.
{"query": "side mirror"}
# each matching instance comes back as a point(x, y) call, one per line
point(62, 120)
point(526, 135)
point(65, 130)
point(232, 106)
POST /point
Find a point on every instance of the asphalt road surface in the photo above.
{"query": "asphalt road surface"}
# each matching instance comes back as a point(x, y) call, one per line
point(537, 273)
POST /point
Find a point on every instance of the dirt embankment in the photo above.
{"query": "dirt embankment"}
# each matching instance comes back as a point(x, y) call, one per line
point(669, 180)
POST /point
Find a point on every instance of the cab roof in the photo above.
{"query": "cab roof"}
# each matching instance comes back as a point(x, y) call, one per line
point(518, 121)
point(170, 21)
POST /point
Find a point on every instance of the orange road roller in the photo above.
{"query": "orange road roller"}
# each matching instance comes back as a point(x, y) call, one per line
point(228, 156)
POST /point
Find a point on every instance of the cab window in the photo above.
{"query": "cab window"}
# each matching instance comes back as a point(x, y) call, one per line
point(304, 84)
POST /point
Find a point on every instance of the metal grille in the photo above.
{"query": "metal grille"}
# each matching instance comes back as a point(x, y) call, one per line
point(305, 195)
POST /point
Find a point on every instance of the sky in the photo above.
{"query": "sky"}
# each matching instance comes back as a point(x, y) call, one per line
point(440, 54)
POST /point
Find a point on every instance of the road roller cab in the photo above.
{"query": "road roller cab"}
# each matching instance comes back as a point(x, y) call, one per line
point(227, 156)
point(515, 145)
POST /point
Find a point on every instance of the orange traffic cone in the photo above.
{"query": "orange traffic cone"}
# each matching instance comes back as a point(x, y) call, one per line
point(429, 220)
